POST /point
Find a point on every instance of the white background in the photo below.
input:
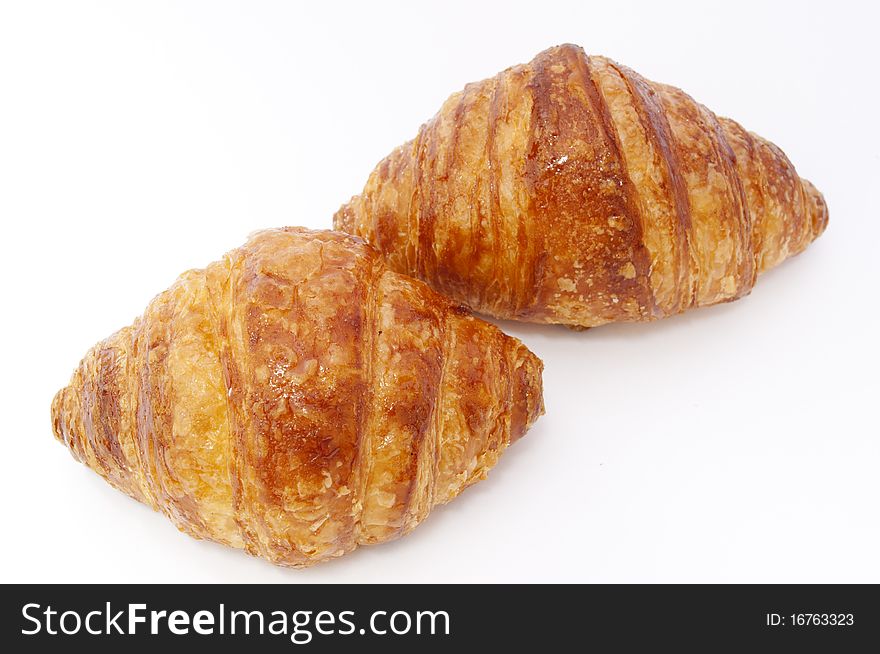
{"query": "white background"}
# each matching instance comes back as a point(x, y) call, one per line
point(736, 443)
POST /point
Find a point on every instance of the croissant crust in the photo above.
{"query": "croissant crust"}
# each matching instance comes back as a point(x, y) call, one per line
point(297, 399)
point(572, 190)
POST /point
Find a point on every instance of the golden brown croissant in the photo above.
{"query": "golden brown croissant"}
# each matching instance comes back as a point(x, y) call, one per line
point(297, 399)
point(571, 190)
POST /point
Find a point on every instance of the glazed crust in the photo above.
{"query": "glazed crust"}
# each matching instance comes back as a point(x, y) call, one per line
point(297, 399)
point(572, 190)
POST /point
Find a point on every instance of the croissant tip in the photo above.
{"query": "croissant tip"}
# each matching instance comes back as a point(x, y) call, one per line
point(57, 414)
point(62, 420)
point(818, 208)
point(528, 393)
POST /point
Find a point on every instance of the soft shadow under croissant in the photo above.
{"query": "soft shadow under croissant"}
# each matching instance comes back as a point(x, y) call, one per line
point(297, 399)
point(572, 190)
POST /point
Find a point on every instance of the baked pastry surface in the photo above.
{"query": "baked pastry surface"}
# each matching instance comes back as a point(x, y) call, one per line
point(572, 190)
point(297, 399)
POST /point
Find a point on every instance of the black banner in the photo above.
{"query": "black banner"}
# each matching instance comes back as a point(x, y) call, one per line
point(436, 618)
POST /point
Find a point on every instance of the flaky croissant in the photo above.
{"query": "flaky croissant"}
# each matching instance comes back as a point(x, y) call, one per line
point(297, 399)
point(572, 190)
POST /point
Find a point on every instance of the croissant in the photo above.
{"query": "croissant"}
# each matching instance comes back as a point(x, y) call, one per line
point(297, 399)
point(572, 190)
